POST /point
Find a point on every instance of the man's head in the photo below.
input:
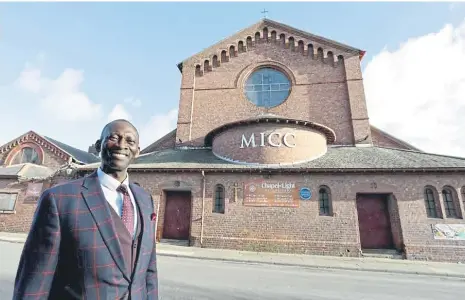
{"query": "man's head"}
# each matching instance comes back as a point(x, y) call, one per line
point(118, 146)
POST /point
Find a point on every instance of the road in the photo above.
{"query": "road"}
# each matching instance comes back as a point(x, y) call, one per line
point(183, 278)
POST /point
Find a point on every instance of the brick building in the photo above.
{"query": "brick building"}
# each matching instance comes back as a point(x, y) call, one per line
point(274, 151)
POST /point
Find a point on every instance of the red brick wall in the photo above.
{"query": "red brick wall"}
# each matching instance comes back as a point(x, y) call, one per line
point(298, 230)
point(301, 229)
point(320, 91)
point(381, 140)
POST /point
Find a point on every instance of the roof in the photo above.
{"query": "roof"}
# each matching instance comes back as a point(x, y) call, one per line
point(77, 154)
point(25, 171)
point(337, 159)
point(395, 139)
point(150, 148)
point(267, 22)
point(58, 148)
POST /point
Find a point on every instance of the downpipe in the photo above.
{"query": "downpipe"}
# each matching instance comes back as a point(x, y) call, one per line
point(203, 209)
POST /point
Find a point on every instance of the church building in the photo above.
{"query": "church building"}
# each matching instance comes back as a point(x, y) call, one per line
point(274, 151)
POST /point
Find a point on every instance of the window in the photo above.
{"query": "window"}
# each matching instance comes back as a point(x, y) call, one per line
point(324, 200)
point(267, 87)
point(218, 205)
point(430, 203)
point(26, 155)
point(7, 201)
point(449, 204)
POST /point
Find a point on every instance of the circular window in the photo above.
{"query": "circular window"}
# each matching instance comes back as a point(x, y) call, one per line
point(267, 87)
point(26, 155)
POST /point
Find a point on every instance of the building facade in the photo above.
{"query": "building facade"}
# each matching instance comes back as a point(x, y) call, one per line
point(274, 151)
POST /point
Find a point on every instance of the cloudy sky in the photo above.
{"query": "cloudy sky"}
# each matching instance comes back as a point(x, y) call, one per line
point(68, 68)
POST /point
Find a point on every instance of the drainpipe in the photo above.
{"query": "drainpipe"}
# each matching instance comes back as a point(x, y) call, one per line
point(156, 220)
point(203, 209)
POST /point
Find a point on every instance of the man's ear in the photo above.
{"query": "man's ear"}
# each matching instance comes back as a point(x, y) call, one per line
point(138, 152)
point(98, 145)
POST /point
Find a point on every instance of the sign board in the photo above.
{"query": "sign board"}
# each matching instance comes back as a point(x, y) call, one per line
point(273, 193)
point(274, 139)
point(449, 232)
point(7, 201)
point(33, 192)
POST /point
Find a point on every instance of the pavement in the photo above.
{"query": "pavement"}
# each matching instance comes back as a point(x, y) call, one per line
point(386, 265)
point(183, 278)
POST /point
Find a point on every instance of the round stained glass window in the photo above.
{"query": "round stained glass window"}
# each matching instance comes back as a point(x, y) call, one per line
point(267, 87)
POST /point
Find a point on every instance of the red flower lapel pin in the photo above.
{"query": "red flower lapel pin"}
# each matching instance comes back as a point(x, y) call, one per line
point(153, 216)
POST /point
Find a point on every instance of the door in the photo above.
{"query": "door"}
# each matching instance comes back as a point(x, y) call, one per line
point(177, 218)
point(374, 222)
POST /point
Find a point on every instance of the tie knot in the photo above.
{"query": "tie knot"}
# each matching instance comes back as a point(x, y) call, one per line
point(123, 189)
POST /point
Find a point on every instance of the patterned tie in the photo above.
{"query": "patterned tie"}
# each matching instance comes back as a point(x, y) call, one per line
point(127, 215)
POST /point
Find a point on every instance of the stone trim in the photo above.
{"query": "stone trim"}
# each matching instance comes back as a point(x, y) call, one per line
point(330, 135)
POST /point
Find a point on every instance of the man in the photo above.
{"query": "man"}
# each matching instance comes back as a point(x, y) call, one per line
point(93, 238)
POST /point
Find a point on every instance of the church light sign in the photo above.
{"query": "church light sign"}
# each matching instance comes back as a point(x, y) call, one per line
point(274, 139)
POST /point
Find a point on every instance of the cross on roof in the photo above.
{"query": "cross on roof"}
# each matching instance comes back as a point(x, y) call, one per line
point(264, 13)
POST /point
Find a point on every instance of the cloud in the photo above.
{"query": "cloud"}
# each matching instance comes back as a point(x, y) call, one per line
point(118, 112)
point(133, 101)
point(158, 126)
point(417, 91)
point(61, 98)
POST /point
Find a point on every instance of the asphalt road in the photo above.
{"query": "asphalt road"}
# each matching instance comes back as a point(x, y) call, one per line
point(182, 278)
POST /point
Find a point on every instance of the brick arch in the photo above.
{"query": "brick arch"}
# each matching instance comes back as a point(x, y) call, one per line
point(29, 144)
point(243, 74)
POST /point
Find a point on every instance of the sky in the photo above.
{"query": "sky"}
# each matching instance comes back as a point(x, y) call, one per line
point(66, 69)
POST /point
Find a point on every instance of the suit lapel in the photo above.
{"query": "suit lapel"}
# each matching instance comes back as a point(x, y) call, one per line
point(143, 208)
point(100, 210)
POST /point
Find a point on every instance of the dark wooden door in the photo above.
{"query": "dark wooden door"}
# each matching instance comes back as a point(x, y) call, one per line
point(177, 218)
point(374, 222)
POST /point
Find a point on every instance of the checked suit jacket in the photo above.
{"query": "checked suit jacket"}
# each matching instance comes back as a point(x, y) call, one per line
point(73, 251)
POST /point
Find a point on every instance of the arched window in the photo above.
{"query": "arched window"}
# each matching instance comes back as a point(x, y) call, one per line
point(449, 203)
point(430, 203)
point(273, 36)
point(218, 204)
point(215, 61)
point(301, 46)
point(206, 66)
point(282, 38)
point(240, 47)
point(292, 43)
point(320, 54)
point(224, 58)
point(324, 198)
point(310, 51)
point(265, 34)
point(232, 51)
point(198, 71)
point(26, 155)
point(330, 57)
point(249, 42)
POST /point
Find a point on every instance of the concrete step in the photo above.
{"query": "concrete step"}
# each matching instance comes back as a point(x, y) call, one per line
point(382, 253)
point(175, 242)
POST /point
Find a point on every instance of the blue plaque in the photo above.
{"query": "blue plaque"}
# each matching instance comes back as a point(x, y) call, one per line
point(305, 193)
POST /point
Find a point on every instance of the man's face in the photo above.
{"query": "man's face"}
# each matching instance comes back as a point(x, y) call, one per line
point(120, 145)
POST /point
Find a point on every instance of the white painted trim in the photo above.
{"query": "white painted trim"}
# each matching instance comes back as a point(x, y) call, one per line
point(268, 165)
